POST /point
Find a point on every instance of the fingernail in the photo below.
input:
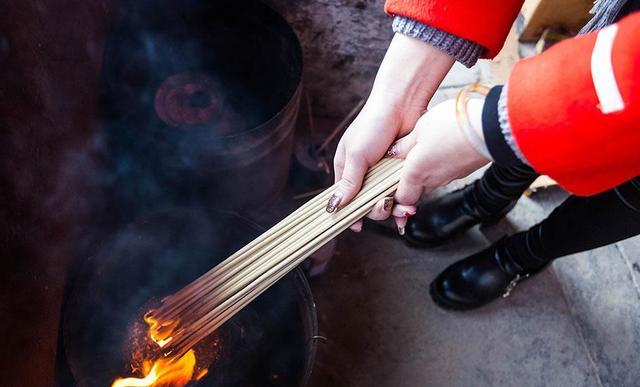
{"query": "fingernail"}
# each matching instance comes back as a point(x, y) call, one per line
point(334, 202)
point(393, 151)
point(408, 214)
point(401, 222)
point(388, 203)
point(356, 227)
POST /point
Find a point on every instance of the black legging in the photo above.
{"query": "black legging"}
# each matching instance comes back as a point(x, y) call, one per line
point(578, 224)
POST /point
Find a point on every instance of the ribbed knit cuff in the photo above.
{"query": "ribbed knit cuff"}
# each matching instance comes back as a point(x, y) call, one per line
point(465, 51)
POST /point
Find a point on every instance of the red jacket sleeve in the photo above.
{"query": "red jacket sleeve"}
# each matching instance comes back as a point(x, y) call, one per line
point(574, 110)
point(485, 22)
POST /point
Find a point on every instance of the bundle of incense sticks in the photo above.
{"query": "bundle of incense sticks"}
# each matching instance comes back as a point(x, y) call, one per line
point(191, 314)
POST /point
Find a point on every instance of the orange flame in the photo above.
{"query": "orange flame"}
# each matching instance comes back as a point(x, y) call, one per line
point(163, 371)
point(160, 333)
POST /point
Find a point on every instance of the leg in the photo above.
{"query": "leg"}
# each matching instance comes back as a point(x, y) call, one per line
point(578, 224)
point(500, 187)
point(484, 201)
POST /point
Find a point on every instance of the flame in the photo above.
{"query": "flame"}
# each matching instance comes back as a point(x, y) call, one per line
point(202, 374)
point(163, 372)
point(160, 333)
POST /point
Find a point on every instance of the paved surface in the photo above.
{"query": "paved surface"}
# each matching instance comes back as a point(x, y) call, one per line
point(575, 324)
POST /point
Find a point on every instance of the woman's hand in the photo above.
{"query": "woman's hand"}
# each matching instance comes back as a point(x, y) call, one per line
point(436, 152)
point(408, 76)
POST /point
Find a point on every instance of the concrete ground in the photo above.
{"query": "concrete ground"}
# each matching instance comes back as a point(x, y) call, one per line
point(575, 324)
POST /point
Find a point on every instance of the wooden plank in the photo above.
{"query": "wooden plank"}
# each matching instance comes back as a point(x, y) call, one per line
point(502, 64)
point(568, 14)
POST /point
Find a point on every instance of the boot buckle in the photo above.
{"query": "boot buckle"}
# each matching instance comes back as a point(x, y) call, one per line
point(513, 283)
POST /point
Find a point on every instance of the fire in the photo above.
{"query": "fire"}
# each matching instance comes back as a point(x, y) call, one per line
point(160, 333)
point(162, 372)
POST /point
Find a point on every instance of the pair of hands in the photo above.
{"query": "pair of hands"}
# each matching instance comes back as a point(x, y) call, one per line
point(435, 148)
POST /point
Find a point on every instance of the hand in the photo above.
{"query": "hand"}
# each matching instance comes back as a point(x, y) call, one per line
point(436, 152)
point(408, 76)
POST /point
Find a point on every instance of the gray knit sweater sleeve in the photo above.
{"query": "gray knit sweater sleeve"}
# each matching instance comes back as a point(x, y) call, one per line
point(465, 51)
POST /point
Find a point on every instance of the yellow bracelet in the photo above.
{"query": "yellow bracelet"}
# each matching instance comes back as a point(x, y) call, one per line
point(462, 99)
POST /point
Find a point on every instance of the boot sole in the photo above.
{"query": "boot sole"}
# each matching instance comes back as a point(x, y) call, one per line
point(446, 304)
point(438, 242)
point(417, 244)
point(449, 305)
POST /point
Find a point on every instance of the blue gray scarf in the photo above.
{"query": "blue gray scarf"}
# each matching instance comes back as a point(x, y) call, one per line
point(604, 13)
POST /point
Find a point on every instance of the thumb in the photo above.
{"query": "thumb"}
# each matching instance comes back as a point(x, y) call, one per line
point(411, 184)
point(350, 183)
point(400, 149)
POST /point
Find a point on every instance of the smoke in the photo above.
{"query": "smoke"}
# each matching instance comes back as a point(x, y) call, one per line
point(113, 114)
point(47, 99)
point(196, 104)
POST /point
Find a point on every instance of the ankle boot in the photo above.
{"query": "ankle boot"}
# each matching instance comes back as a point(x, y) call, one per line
point(481, 278)
point(437, 221)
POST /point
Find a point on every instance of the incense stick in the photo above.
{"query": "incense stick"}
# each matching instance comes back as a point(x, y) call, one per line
point(173, 305)
point(193, 313)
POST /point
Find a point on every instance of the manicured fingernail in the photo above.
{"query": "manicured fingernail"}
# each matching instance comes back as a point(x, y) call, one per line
point(393, 151)
point(388, 203)
point(401, 222)
point(334, 202)
point(408, 214)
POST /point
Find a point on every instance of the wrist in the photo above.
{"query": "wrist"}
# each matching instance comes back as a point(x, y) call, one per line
point(471, 126)
point(469, 117)
point(410, 73)
point(474, 112)
point(463, 50)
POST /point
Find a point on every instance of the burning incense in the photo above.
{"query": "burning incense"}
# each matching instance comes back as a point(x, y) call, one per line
point(187, 317)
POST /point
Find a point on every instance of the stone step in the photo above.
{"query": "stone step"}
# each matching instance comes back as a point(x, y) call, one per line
point(601, 288)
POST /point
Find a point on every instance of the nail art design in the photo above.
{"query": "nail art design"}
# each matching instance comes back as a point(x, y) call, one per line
point(393, 150)
point(334, 202)
point(388, 203)
point(401, 230)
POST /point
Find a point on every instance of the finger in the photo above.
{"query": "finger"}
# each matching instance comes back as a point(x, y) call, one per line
point(400, 149)
point(411, 186)
point(338, 162)
point(402, 210)
point(381, 210)
point(401, 223)
point(349, 184)
point(357, 226)
point(401, 214)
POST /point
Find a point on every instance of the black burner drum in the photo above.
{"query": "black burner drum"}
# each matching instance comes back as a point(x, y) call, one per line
point(199, 103)
point(269, 343)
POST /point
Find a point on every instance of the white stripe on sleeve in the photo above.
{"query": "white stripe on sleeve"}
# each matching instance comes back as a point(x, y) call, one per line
point(602, 73)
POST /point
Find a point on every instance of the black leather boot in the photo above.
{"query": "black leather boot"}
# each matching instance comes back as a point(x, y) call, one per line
point(437, 221)
point(481, 278)
point(485, 201)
